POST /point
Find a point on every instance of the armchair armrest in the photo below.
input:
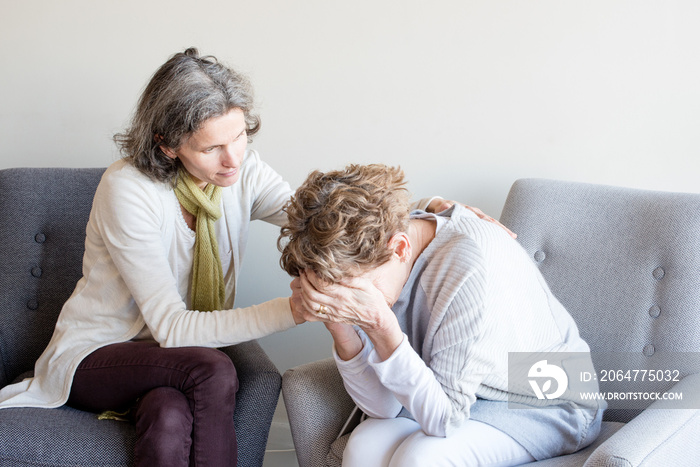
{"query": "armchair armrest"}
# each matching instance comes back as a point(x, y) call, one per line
point(657, 436)
point(259, 384)
point(318, 406)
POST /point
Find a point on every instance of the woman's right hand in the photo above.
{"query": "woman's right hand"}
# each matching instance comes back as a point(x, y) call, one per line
point(355, 301)
point(347, 342)
point(303, 311)
point(296, 302)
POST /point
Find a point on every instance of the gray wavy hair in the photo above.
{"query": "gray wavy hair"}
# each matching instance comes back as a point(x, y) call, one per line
point(183, 93)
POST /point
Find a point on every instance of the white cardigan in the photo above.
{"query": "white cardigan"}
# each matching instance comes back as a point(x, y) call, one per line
point(130, 277)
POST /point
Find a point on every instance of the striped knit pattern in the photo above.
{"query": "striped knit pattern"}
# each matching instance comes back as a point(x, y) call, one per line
point(485, 298)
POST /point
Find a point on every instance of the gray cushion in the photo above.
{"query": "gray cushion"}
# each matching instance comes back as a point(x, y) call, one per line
point(579, 458)
point(63, 437)
point(42, 233)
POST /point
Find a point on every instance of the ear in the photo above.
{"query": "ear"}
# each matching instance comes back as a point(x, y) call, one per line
point(401, 245)
point(168, 152)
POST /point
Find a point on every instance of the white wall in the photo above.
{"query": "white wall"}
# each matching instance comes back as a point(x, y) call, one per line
point(466, 95)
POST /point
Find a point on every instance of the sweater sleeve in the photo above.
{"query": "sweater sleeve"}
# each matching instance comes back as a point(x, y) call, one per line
point(128, 215)
point(439, 395)
point(363, 385)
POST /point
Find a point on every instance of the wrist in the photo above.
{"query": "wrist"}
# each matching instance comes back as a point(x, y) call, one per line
point(384, 323)
point(296, 316)
point(346, 341)
point(386, 335)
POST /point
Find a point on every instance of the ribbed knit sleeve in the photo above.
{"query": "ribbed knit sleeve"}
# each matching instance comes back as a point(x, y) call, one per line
point(445, 380)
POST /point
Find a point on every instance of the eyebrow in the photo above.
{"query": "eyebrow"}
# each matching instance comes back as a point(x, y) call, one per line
point(207, 146)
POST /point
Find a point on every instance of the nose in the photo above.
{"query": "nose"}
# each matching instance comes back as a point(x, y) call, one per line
point(228, 157)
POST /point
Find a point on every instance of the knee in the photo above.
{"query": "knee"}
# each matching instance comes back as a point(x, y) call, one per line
point(374, 441)
point(357, 453)
point(408, 455)
point(215, 369)
point(163, 427)
point(361, 448)
point(164, 412)
point(420, 449)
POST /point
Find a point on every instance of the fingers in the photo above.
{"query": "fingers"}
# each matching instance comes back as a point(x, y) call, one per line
point(309, 301)
point(445, 206)
point(438, 205)
point(488, 218)
point(316, 291)
point(510, 232)
point(319, 285)
point(302, 308)
point(324, 306)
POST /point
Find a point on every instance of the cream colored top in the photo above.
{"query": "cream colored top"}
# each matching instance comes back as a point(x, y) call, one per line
point(134, 276)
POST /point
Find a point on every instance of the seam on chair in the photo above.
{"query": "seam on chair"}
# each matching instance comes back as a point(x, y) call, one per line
point(672, 435)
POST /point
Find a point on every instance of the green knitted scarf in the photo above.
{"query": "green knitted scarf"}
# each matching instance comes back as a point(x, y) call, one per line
point(207, 274)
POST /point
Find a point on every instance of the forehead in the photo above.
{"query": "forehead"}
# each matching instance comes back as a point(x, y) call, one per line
point(219, 130)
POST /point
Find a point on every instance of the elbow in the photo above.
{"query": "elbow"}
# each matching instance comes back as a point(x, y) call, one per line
point(445, 427)
point(166, 344)
point(451, 425)
point(385, 411)
point(167, 340)
point(437, 433)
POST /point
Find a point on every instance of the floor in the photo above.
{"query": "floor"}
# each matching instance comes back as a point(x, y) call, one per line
point(280, 448)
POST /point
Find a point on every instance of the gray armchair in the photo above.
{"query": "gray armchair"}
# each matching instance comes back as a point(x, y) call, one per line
point(43, 214)
point(626, 264)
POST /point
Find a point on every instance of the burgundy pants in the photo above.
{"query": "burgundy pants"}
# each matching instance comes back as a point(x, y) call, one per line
point(186, 398)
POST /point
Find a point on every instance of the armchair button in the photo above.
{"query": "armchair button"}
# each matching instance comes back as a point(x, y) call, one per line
point(40, 238)
point(36, 272)
point(654, 311)
point(649, 350)
point(539, 256)
point(658, 273)
point(32, 304)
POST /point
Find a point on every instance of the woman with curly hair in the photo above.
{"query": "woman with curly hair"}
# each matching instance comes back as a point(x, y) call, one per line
point(423, 310)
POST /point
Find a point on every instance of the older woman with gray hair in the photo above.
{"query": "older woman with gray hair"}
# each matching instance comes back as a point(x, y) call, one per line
point(424, 310)
point(163, 249)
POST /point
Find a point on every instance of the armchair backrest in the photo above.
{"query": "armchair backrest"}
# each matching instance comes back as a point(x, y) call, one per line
point(43, 214)
point(624, 262)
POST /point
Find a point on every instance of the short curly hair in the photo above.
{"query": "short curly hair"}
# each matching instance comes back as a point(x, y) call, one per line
point(340, 222)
